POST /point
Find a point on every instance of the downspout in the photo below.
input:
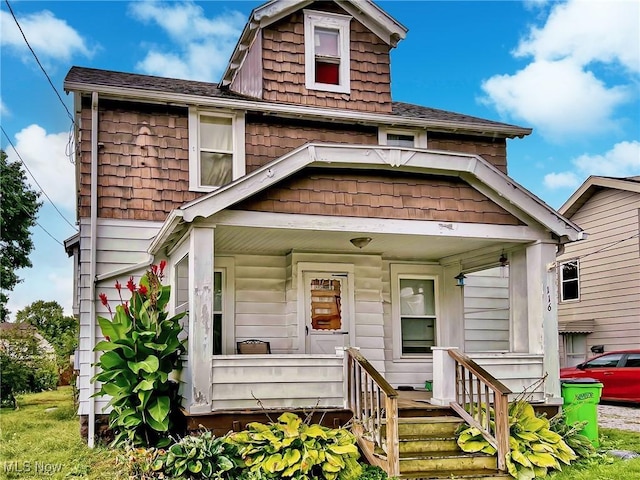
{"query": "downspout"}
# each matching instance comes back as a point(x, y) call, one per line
point(92, 264)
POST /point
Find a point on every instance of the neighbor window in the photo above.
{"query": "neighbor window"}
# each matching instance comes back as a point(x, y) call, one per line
point(569, 281)
point(218, 307)
point(216, 149)
point(327, 56)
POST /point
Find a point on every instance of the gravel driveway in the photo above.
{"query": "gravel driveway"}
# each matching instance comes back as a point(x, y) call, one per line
point(622, 418)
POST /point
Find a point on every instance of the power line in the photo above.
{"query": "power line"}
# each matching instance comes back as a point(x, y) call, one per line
point(36, 181)
point(38, 61)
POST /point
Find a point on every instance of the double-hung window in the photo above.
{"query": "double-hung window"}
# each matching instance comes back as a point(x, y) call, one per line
point(569, 281)
point(327, 55)
point(414, 310)
point(216, 149)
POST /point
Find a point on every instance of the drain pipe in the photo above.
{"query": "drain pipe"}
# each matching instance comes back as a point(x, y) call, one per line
point(92, 265)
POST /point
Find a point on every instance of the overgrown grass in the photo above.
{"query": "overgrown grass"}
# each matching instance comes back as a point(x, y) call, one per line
point(607, 467)
point(35, 443)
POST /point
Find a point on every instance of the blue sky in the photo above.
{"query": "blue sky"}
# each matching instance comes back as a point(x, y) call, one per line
point(569, 70)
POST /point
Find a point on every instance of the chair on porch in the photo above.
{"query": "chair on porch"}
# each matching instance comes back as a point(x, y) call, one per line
point(253, 347)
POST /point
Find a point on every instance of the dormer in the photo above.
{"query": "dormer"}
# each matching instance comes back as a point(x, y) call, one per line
point(327, 54)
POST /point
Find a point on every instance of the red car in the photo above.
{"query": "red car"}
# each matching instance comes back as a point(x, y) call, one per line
point(618, 371)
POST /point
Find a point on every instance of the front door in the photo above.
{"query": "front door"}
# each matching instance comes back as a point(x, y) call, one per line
point(326, 311)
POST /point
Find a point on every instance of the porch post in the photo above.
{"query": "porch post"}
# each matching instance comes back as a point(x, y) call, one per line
point(200, 346)
point(444, 376)
point(543, 312)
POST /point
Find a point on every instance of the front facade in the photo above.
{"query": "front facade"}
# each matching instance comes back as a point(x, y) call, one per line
point(297, 204)
point(599, 278)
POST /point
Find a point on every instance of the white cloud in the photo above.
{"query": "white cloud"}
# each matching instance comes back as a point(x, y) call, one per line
point(4, 110)
point(588, 31)
point(202, 45)
point(50, 37)
point(45, 155)
point(550, 92)
point(623, 160)
point(551, 96)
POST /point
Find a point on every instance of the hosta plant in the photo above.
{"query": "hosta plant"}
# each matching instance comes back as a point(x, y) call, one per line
point(289, 448)
point(199, 456)
point(140, 350)
point(534, 447)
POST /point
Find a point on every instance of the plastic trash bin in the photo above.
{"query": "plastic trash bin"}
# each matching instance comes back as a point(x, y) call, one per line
point(581, 397)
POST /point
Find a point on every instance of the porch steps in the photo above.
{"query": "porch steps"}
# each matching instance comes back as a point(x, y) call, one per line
point(428, 451)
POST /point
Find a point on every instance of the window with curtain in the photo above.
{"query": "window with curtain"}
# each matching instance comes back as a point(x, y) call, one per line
point(216, 151)
point(417, 315)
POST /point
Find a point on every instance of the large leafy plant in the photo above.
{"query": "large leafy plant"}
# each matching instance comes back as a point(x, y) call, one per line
point(535, 448)
point(140, 350)
point(289, 448)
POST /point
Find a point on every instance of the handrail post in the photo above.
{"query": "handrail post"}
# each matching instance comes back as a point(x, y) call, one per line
point(502, 428)
point(444, 370)
point(393, 453)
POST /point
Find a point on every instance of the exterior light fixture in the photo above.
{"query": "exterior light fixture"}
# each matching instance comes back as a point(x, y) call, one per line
point(503, 260)
point(460, 279)
point(360, 242)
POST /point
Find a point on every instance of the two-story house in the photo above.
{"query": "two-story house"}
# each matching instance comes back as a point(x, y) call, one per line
point(296, 203)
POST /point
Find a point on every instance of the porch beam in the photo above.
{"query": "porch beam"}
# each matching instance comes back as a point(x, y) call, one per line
point(242, 218)
point(200, 342)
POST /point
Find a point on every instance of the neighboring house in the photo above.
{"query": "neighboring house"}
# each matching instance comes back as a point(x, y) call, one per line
point(23, 329)
point(296, 203)
point(599, 278)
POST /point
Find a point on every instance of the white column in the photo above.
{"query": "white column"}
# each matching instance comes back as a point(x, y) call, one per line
point(518, 295)
point(543, 312)
point(444, 376)
point(200, 342)
point(451, 324)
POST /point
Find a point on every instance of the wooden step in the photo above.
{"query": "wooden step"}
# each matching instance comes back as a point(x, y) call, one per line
point(443, 426)
point(456, 475)
point(446, 460)
point(427, 443)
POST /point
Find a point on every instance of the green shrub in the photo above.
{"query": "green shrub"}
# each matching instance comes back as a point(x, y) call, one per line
point(24, 366)
point(141, 349)
point(292, 449)
point(535, 448)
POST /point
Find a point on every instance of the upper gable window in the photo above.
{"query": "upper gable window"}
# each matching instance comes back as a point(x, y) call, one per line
point(402, 138)
point(216, 149)
point(326, 47)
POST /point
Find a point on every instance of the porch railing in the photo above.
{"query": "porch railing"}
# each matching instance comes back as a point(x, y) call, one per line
point(477, 393)
point(374, 404)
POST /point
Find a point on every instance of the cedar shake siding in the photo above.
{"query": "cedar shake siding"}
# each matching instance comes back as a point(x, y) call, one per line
point(268, 138)
point(283, 62)
point(493, 150)
point(143, 161)
point(379, 195)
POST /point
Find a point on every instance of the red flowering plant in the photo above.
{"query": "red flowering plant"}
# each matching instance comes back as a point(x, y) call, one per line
point(140, 350)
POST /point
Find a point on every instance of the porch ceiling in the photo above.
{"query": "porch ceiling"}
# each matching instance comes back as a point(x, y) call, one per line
point(275, 241)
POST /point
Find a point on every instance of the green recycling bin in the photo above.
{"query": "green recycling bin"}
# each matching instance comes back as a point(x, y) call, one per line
point(581, 397)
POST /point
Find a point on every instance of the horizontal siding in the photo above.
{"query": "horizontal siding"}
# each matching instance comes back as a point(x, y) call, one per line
point(120, 244)
point(277, 381)
point(519, 373)
point(609, 272)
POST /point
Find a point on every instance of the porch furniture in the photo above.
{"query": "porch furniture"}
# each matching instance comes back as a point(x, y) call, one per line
point(253, 347)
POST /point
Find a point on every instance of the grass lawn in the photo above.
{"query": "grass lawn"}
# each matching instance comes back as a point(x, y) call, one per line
point(36, 444)
point(39, 444)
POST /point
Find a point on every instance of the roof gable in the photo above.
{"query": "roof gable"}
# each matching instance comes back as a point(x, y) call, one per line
point(473, 169)
point(366, 12)
point(591, 186)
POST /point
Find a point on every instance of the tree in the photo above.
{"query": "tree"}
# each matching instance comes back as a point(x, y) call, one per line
point(59, 330)
point(18, 208)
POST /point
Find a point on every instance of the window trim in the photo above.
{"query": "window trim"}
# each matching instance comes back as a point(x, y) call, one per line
point(419, 136)
point(333, 21)
point(417, 272)
point(561, 281)
point(238, 154)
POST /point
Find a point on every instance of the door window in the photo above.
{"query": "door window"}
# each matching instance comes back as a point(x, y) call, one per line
point(326, 305)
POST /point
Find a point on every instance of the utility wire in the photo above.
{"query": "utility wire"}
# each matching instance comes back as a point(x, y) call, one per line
point(34, 179)
point(38, 61)
point(610, 245)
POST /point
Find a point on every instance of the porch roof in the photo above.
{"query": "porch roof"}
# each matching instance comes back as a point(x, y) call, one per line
point(473, 169)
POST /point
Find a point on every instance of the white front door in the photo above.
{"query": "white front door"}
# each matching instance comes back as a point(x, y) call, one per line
point(327, 322)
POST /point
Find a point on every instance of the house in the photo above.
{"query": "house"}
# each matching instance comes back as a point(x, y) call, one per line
point(296, 203)
point(599, 278)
